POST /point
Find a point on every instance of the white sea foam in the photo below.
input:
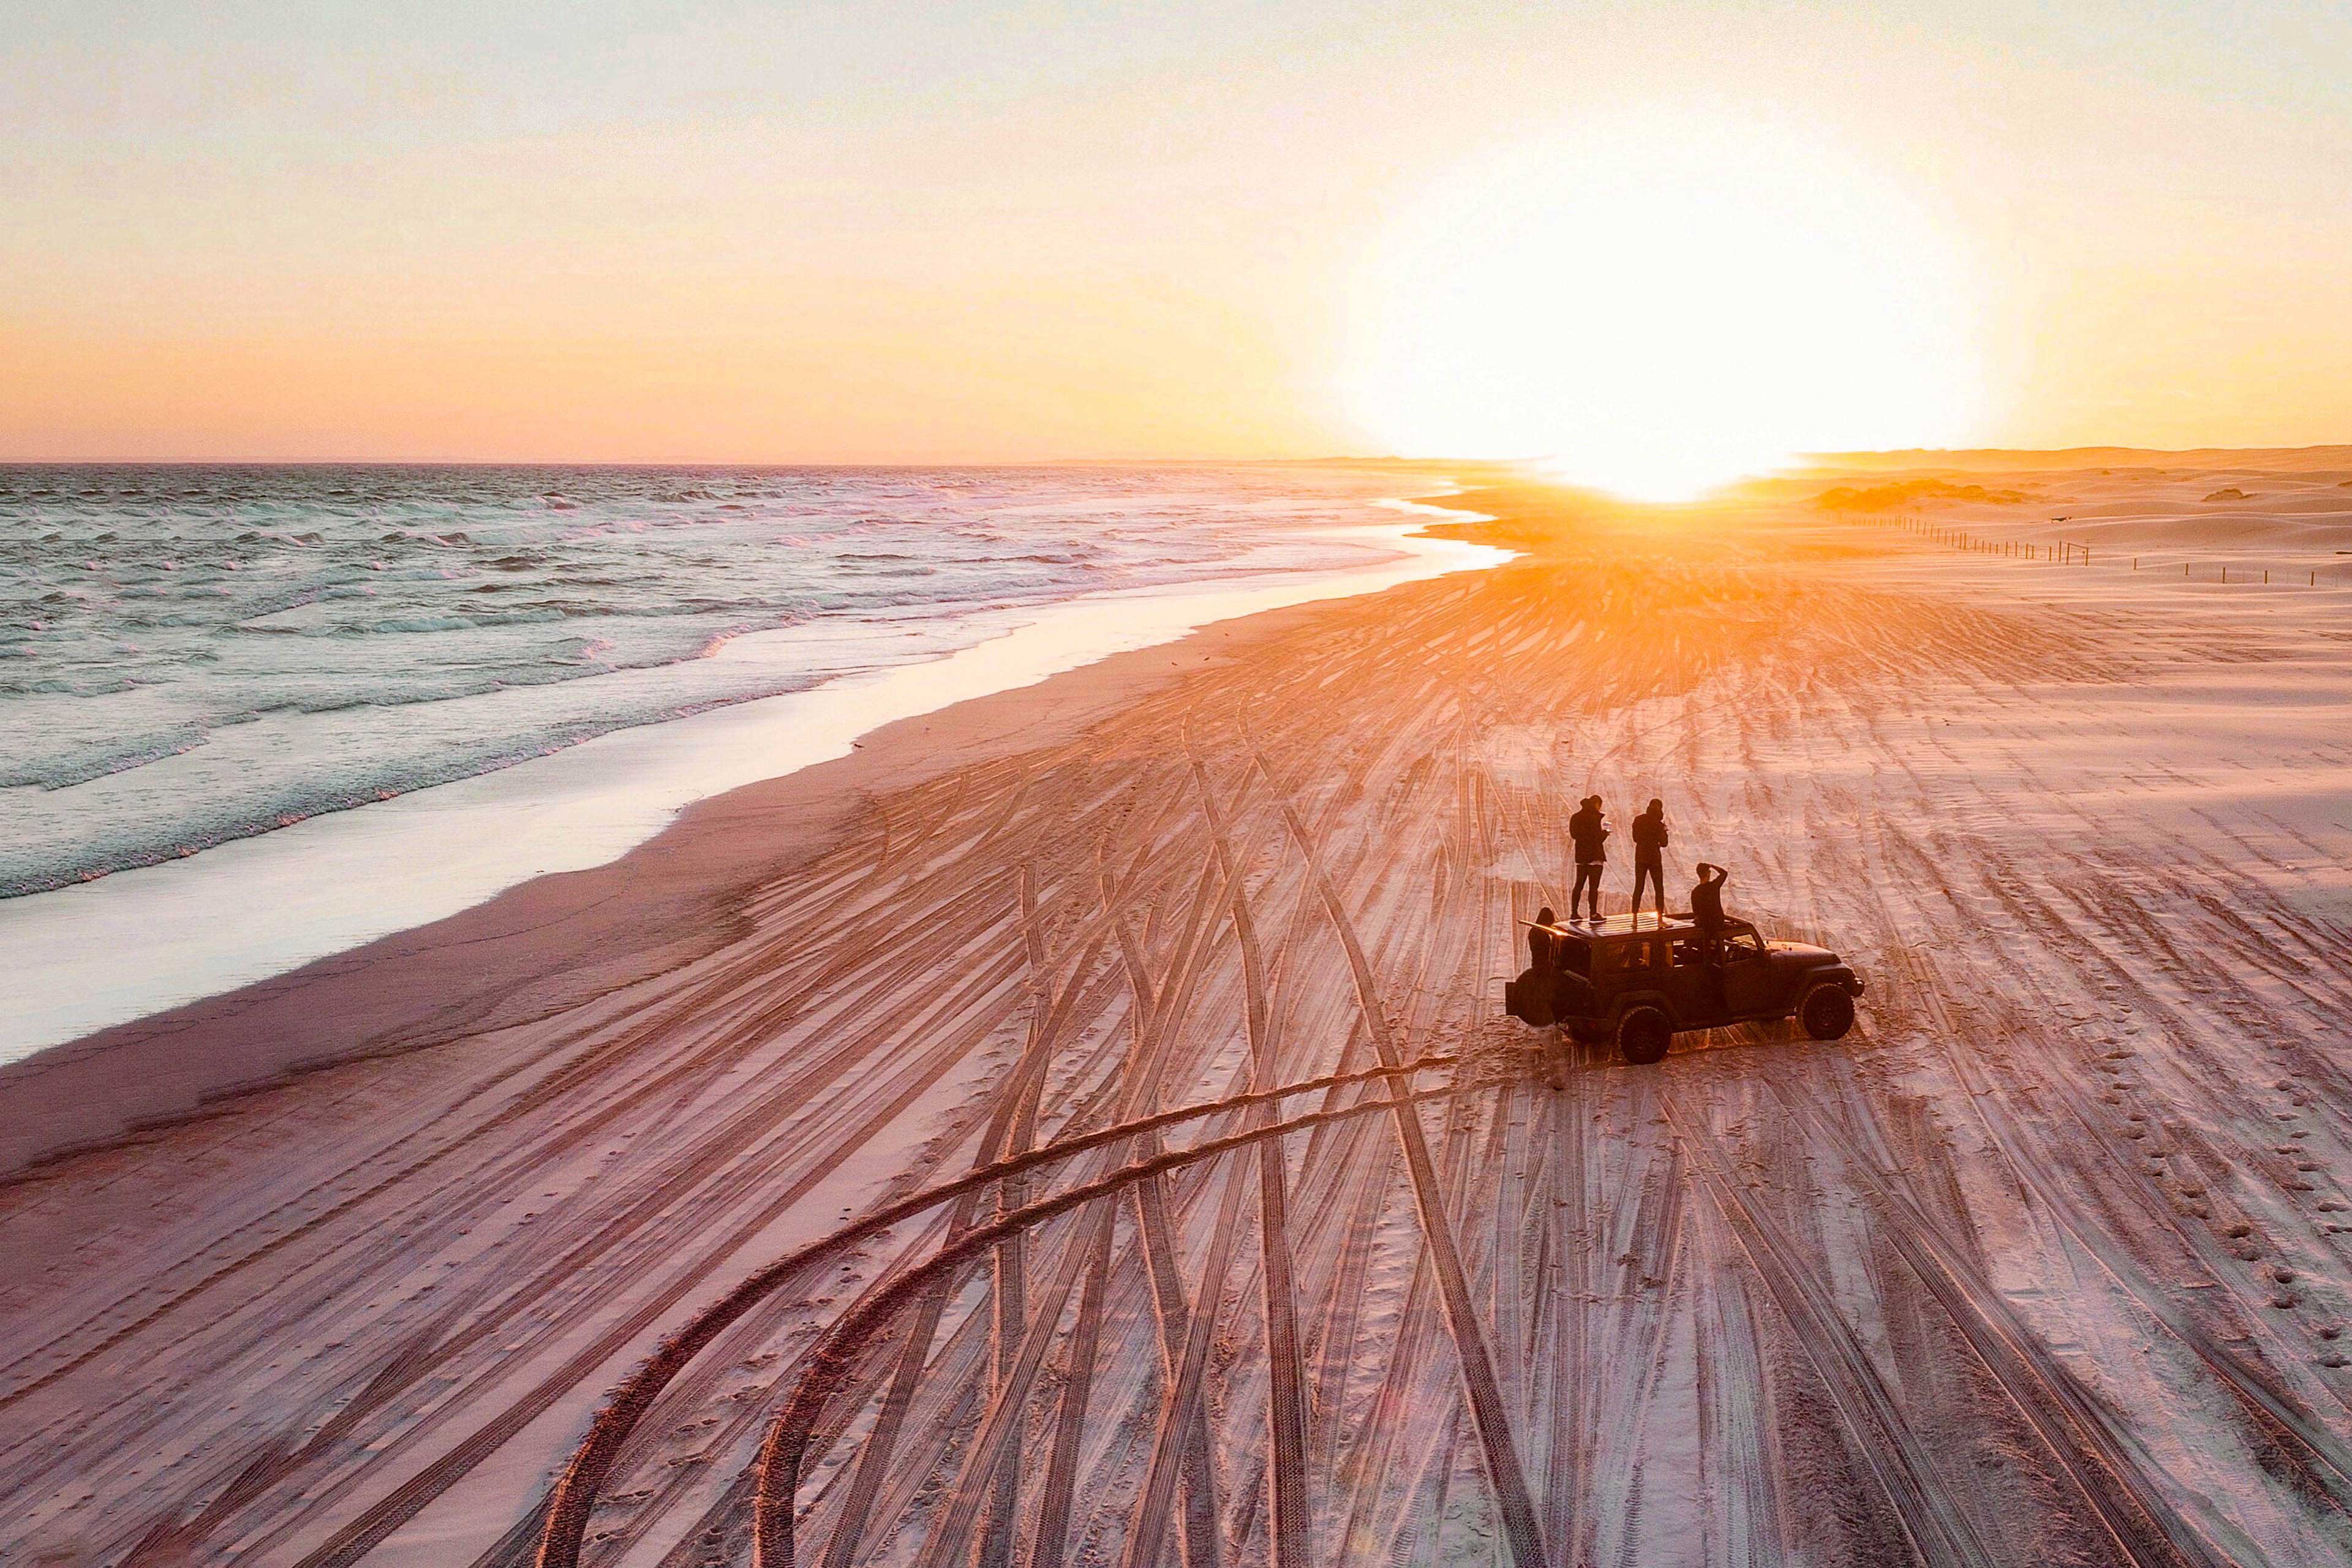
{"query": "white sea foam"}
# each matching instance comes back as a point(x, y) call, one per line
point(570, 752)
point(193, 656)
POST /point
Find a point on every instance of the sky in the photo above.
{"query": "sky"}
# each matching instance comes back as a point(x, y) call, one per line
point(860, 232)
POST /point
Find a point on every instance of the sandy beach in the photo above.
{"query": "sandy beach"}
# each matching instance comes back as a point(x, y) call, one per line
point(2047, 1261)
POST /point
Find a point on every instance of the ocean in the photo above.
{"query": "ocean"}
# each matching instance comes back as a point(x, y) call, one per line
point(190, 655)
point(252, 715)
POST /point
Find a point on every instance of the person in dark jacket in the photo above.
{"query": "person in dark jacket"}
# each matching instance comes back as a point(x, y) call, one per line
point(1707, 913)
point(1531, 997)
point(1543, 948)
point(1590, 836)
point(1649, 855)
point(1707, 899)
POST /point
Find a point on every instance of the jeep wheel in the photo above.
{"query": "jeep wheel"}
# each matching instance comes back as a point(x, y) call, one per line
point(1642, 1035)
point(1828, 1013)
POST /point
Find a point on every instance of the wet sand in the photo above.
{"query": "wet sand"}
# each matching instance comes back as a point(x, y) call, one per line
point(2046, 1261)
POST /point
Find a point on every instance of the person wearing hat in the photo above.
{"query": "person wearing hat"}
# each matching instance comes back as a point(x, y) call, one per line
point(1590, 836)
point(1650, 840)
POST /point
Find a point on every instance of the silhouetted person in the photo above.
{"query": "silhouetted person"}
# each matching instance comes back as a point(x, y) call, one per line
point(1530, 997)
point(1543, 948)
point(1591, 838)
point(1707, 913)
point(1706, 900)
point(1649, 855)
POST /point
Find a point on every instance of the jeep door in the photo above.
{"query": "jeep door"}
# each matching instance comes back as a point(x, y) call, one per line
point(1751, 984)
point(1623, 965)
point(1695, 1003)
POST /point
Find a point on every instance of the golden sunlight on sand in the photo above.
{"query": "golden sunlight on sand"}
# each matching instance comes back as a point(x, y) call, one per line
point(1660, 303)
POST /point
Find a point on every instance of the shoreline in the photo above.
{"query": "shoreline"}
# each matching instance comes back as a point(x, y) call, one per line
point(170, 1059)
point(255, 907)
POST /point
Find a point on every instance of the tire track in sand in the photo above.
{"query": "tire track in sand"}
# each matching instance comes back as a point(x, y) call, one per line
point(782, 1456)
point(2059, 1408)
point(575, 1491)
point(1893, 1452)
point(1287, 1414)
point(1503, 1471)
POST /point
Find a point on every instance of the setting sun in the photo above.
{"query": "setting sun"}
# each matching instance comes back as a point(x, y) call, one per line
point(1656, 305)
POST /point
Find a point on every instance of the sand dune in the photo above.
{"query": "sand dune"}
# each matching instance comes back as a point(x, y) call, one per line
point(2047, 1262)
point(2332, 460)
point(2281, 518)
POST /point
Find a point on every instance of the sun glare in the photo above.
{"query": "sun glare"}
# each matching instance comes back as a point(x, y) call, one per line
point(1659, 305)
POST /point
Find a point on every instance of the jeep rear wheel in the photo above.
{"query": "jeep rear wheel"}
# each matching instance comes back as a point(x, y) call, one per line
point(1827, 1013)
point(1642, 1035)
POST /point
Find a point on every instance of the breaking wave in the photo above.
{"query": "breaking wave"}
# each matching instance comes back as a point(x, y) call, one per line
point(191, 654)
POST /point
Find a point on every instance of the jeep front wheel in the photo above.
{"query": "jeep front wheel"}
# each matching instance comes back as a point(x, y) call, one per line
point(1642, 1035)
point(1827, 1013)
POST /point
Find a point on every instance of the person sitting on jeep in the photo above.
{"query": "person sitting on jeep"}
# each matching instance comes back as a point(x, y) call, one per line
point(1707, 899)
point(1707, 913)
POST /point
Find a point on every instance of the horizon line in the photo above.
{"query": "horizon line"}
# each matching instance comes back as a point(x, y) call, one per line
point(1798, 461)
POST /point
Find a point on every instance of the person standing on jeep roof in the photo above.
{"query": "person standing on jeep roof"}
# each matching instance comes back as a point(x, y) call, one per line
point(1649, 855)
point(1591, 838)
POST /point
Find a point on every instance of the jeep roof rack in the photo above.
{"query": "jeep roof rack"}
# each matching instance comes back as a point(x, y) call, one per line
point(1616, 925)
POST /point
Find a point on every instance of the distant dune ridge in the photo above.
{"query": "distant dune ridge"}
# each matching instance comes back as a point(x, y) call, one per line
point(1994, 459)
point(2282, 510)
point(1885, 498)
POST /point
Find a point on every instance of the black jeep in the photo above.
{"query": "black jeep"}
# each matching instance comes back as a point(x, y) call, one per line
point(1640, 980)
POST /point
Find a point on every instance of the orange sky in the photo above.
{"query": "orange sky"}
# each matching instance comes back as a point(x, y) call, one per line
point(920, 234)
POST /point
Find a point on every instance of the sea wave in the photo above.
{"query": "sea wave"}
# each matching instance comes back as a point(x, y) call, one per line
point(194, 655)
